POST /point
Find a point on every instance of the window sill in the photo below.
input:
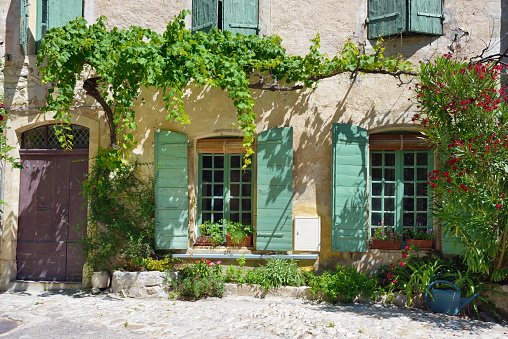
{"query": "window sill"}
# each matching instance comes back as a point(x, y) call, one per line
point(248, 256)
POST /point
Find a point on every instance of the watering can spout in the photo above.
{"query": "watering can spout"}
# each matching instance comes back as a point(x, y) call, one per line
point(465, 301)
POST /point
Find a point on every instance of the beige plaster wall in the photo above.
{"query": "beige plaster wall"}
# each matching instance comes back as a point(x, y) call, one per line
point(375, 102)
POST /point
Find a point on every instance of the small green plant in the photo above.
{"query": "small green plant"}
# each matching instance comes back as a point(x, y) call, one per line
point(280, 272)
point(202, 278)
point(237, 231)
point(214, 230)
point(386, 232)
point(160, 265)
point(236, 274)
point(418, 234)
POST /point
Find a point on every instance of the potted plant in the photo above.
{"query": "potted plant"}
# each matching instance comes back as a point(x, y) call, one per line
point(419, 237)
point(212, 234)
point(238, 234)
point(385, 238)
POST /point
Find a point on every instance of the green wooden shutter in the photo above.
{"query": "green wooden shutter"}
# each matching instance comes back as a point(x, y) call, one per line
point(275, 190)
point(241, 16)
point(171, 191)
point(205, 15)
point(23, 25)
point(62, 11)
point(349, 188)
point(425, 16)
point(386, 17)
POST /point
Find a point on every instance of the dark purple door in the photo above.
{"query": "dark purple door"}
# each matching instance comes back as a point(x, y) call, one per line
point(51, 215)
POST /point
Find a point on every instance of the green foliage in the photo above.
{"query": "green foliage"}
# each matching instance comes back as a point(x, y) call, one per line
point(124, 60)
point(121, 213)
point(237, 231)
point(214, 230)
point(280, 272)
point(344, 284)
point(385, 232)
point(200, 279)
point(467, 119)
point(418, 234)
point(160, 265)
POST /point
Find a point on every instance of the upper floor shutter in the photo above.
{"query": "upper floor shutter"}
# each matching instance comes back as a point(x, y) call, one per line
point(62, 11)
point(241, 16)
point(386, 17)
point(275, 190)
point(23, 25)
point(349, 188)
point(171, 191)
point(425, 16)
point(204, 15)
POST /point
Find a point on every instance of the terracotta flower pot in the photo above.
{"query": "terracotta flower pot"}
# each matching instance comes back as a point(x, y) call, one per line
point(205, 240)
point(422, 244)
point(247, 242)
point(386, 244)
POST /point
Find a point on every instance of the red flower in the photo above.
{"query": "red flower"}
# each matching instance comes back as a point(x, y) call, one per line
point(406, 248)
point(389, 275)
point(392, 266)
point(1, 117)
point(402, 264)
point(208, 261)
point(395, 281)
point(498, 206)
point(404, 255)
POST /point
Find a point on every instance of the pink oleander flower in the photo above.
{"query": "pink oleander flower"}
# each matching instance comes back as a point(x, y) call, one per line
point(219, 262)
point(402, 264)
point(404, 255)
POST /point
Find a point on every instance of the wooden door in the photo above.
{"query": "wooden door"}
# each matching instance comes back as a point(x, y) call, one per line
point(51, 215)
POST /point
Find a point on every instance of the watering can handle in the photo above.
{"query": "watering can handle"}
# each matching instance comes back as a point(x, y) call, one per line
point(439, 282)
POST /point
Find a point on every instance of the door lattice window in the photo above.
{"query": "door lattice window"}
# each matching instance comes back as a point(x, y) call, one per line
point(44, 137)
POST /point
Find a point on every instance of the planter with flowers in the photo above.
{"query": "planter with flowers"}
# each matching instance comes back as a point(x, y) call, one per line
point(419, 238)
point(385, 238)
point(238, 234)
point(211, 234)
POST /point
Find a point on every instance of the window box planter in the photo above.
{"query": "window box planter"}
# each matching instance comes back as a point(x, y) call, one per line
point(386, 244)
point(247, 242)
point(422, 244)
point(205, 240)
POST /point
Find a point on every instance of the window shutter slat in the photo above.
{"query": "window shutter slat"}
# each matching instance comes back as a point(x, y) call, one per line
point(23, 26)
point(241, 16)
point(204, 15)
point(275, 190)
point(382, 142)
point(349, 188)
point(386, 17)
point(425, 16)
point(171, 191)
point(62, 11)
point(220, 146)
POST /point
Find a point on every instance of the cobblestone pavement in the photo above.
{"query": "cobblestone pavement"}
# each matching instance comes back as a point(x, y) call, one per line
point(82, 315)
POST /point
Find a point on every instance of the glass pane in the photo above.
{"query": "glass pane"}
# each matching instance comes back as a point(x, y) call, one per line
point(377, 189)
point(421, 204)
point(389, 219)
point(408, 219)
point(377, 174)
point(421, 219)
point(246, 205)
point(246, 176)
point(206, 217)
point(409, 159)
point(409, 174)
point(235, 175)
point(218, 190)
point(218, 161)
point(389, 204)
point(35, 138)
point(409, 204)
point(422, 159)
point(207, 161)
point(246, 190)
point(218, 204)
point(217, 217)
point(206, 190)
point(377, 159)
point(389, 190)
point(207, 176)
point(389, 159)
point(206, 204)
point(236, 161)
point(247, 218)
point(218, 176)
point(234, 217)
point(409, 189)
point(390, 174)
point(421, 173)
point(421, 189)
point(376, 204)
point(375, 219)
point(234, 204)
point(235, 190)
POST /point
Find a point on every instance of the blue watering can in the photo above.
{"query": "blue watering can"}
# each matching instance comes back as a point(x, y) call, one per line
point(447, 301)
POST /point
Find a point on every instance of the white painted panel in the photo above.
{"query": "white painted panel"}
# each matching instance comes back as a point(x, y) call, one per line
point(307, 234)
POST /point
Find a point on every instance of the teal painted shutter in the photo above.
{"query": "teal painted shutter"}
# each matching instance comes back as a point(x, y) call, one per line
point(241, 16)
point(349, 188)
point(205, 15)
point(23, 25)
point(171, 191)
point(62, 11)
point(386, 17)
point(425, 16)
point(275, 190)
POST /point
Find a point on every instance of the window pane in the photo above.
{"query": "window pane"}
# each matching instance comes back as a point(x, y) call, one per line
point(234, 204)
point(409, 174)
point(421, 219)
point(389, 190)
point(376, 204)
point(207, 161)
point(421, 204)
point(377, 159)
point(234, 217)
point(218, 204)
point(422, 159)
point(409, 189)
point(247, 218)
point(217, 217)
point(246, 205)
point(389, 219)
point(408, 219)
point(236, 161)
point(207, 176)
point(421, 173)
point(206, 217)
point(389, 159)
point(390, 174)
point(409, 204)
point(377, 174)
point(218, 190)
point(246, 176)
point(421, 189)
point(376, 219)
point(246, 190)
point(377, 189)
point(206, 190)
point(389, 204)
point(235, 176)
point(218, 176)
point(235, 190)
point(206, 204)
point(218, 161)
point(409, 159)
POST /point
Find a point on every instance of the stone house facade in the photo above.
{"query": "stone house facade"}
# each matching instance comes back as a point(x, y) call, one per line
point(331, 164)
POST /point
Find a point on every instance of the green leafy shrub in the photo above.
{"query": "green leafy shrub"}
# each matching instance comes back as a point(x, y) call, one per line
point(160, 265)
point(237, 231)
point(200, 279)
point(344, 284)
point(280, 272)
point(214, 230)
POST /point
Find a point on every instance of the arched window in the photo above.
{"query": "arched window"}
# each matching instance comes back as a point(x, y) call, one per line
point(44, 137)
